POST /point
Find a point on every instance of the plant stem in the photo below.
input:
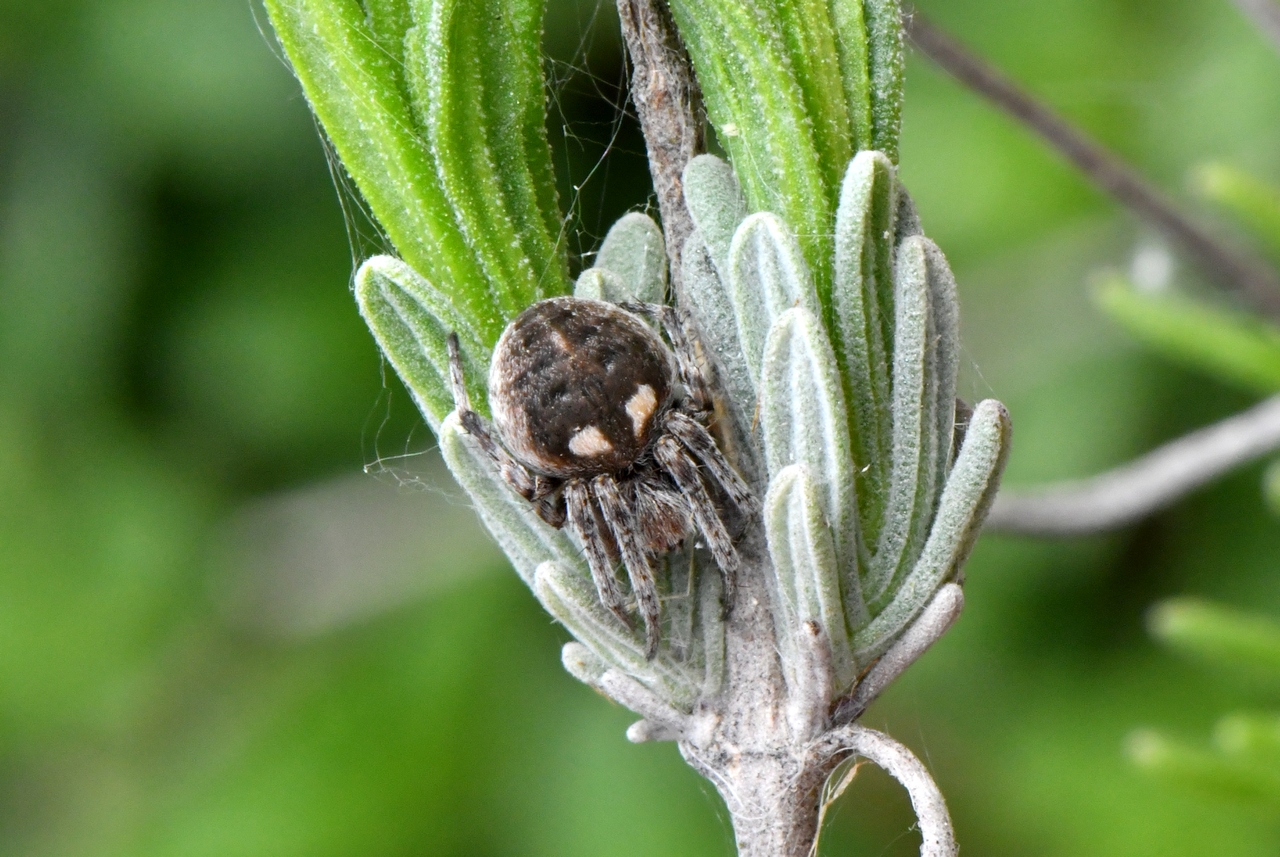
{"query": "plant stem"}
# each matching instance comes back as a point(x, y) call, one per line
point(1231, 267)
point(1265, 14)
point(669, 105)
point(1143, 486)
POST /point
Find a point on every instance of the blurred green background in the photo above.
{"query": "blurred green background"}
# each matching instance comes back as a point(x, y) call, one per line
point(243, 613)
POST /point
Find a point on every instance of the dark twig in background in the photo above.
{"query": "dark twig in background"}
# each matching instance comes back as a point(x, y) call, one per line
point(1143, 486)
point(1265, 14)
point(669, 105)
point(1231, 267)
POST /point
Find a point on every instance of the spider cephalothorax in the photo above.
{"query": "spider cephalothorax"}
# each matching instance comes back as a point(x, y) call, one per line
point(603, 427)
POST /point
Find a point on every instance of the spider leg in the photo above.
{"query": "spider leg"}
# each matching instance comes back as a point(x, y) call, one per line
point(621, 519)
point(676, 462)
point(673, 322)
point(699, 441)
point(581, 518)
point(534, 488)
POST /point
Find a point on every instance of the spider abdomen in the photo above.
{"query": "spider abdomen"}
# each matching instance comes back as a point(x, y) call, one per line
point(577, 385)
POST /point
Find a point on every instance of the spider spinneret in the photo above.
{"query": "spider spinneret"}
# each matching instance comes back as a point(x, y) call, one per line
point(603, 427)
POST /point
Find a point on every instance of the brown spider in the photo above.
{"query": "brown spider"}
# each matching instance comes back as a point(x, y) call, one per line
point(603, 427)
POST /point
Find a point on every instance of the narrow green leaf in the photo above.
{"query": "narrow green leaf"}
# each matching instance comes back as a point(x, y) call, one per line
point(1238, 347)
point(477, 145)
point(944, 306)
point(886, 61)
point(1253, 202)
point(970, 489)
point(913, 476)
point(712, 311)
point(807, 579)
point(410, 318)
point(810, 37)
point(1232, 638)
point(527, 540)
point(1212, 773)
point(1255, 737)
point(716, 204)
point(767, 277)
point(634, 250)
point(848, 19)
point(568, 594)
point(862, 323)
point(602, 285)
point(803, 420)
point(354, 86)
point(757, 104)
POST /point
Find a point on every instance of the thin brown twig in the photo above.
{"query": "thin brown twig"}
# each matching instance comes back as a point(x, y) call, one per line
point(1265, 15)
point(1231, 267)
point(1146, 485)
point(669, 105)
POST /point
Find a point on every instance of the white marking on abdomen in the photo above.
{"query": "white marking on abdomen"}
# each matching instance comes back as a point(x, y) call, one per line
point(589, 442)
point(640, 408)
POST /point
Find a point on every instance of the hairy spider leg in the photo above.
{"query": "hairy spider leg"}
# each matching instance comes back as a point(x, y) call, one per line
point(621, 520)
point(581, 519)
point(682, 469)
point(673, 323)
point(699, 441)
point(532, 487)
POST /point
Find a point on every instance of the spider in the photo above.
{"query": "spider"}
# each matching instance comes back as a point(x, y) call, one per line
point(603, 428)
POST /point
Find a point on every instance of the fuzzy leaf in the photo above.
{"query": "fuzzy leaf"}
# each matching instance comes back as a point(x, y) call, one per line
point(466, 100)
point(350, 58)
point(410, 319)
point(712, 311)
point(1235, 346)
point(767, 277)
point(568, 595)
point(886, 63)
point(527, 540)
point(601, 285)
point(862, 322)
point(757, 91)
point(807, 576)
point(913, 476)
point(716, 205)
point(803, 419)
point(634, 250)
point(965, 501)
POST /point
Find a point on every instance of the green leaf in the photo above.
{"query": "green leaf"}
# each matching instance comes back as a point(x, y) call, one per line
point(767, 277)
point(794, 89)
point(914, 476)
point(527, 540)
point(803, 418)
point(1237, 347)
point(410, 318)
point(568, 594)
point(1253, 202)
point(469, 99)
point(469, 204)
point(807, 580)
point(1232, 638)
point(758, 105)
point(971, 487)
point(1219, 775)
point(861, 321)
point(634, 250)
